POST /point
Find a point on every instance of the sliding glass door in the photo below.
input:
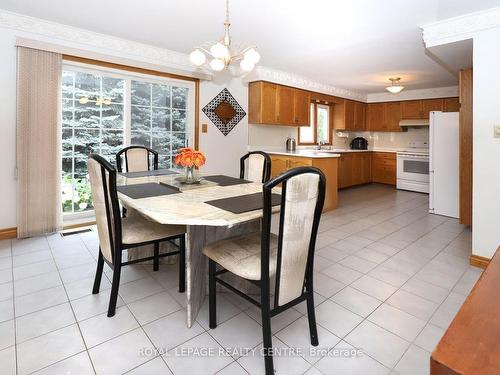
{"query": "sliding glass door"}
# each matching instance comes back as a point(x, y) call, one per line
point(104, 110)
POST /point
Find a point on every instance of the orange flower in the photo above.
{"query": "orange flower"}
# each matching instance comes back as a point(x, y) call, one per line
point(187, 157)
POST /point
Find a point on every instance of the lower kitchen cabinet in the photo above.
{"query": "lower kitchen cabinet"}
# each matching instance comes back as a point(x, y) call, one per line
point(354, 169)
point(329, 166)
point(383, 166)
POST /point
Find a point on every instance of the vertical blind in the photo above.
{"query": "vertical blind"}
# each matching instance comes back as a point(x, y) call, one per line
point(38, 142)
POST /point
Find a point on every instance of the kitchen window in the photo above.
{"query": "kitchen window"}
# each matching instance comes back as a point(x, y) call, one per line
point(319, 129)
point(104, 110)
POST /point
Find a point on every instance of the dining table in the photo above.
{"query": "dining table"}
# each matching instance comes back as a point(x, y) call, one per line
point(205, 223)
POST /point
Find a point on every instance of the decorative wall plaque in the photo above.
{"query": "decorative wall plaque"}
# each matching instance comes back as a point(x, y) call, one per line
point(224, 111)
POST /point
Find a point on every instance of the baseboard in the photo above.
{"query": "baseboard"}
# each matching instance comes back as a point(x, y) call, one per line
point(79, 225)
point(8, 233)
point(479, 261)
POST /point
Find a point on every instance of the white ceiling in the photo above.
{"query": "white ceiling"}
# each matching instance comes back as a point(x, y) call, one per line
point(356, 44)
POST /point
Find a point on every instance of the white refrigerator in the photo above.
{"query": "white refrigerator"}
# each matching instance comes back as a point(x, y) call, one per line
point(443, 164)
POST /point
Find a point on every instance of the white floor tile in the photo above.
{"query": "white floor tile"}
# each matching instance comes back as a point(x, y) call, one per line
point(413, 304)
point(341, 273)
point(36, 283)
point(78, 365)
point(6, 310)
point(7, 334)
point(41, 322)
point(101, 328)
point(122, 353)
point(279, 321)
point(249, 332)
point(429, 337)
point(326, 286)
point(139, 289)
point(233, 369)
point(374, 287)
point(6, 291)
point(154, 367)
point(336, 318)
point(415, 361)
point(397, 321)
point(83, 287)
point(356, 301)
point(425, 290)
point(153, 307)
point(45, 350)
point(8, 361)
point(39, 300)
point(92, 305)
point(382, 345)
point(357, 263)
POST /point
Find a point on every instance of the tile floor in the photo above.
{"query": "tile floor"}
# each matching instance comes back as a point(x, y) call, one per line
point(389, 279)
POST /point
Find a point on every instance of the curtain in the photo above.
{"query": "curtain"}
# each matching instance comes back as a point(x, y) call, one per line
point(38, 142)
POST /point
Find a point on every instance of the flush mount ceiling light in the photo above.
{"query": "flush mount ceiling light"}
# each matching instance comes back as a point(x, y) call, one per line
point(395, 87)
point(222, 55)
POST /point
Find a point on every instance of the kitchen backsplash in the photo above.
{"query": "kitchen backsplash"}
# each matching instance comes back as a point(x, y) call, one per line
point(273, 137)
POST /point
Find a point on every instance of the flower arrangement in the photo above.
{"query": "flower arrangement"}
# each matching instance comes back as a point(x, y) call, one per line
point(189, 159)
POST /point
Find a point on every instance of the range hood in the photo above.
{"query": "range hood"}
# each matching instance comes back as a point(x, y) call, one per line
point(414, 123)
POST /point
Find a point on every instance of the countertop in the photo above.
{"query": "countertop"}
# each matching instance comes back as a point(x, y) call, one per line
point(333, 153)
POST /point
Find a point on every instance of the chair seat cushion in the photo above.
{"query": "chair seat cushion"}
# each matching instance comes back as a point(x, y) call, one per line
point(137, 229)
point(241, 255)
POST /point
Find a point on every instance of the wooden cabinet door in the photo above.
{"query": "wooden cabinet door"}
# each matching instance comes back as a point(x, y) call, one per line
point(375, 116)
point(451, 105)
point(366, 168)
point(357, 168)
point(359, 116)
point(301, 107)
point(279, 164)
point(345, 170)
point(285, 105)
point(268, 106)
point(349, 114)
point(411, 109)
point(431, 105)
point(392, 116)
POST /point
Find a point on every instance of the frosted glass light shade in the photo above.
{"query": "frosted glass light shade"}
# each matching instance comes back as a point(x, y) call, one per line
point(394, 89)
point(252, 56)
point(217, 65)
point(219, 50)
point(197, 57)
point(246, 65)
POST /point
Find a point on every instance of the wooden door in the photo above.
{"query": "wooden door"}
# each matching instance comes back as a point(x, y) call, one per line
point(411, 109)
point(375, 116)
point(345, 170)
point(357, 168)
point(431, 105)
point(285, 101)
point(268, 106)
point(279, 164)
point(366, 166)
point(451, 105)
point(392, 116)
point(301, 107)
point(349, 114)
point(359, 116)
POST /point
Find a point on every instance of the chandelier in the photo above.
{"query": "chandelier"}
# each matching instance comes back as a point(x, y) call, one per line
point(222, 55)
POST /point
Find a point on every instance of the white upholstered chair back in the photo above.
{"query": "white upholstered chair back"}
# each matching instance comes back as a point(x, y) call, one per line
point(136, 160)
point(100, 183)
point(255, 166)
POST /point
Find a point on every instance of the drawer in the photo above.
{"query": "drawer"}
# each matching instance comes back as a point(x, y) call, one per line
point(384, 155)
point(384, 163)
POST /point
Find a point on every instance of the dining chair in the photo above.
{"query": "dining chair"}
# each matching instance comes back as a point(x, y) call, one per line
point(259, 166)
point(288, 256)
point(117, 234)
point(136, 159)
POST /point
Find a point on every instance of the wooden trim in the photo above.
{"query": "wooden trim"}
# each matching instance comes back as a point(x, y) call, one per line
point(127, 68)
point(466, 146)
point(79, 225)
point(8, 233)
point(479, 261)
point(197, 114)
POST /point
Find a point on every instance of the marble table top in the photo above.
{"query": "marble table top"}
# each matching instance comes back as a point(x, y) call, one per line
point(189, 207)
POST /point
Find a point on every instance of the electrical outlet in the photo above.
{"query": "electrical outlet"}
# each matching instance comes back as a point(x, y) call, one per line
point(204, 128)
point(496, 131)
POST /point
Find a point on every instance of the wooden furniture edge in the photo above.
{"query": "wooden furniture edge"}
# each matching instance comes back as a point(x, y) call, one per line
point(8, 233)
point(478, 261)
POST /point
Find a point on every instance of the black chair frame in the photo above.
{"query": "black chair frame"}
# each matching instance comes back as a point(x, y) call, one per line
point(124, 150)
point(264, 283)
point(266, 172)
point(115, 240)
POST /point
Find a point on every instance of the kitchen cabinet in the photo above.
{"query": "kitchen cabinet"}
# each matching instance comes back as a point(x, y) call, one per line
point(431, 105)
point(329, 166)
point(419, 109)
point(354, 169)
point(451, 105)
point(349, 115)
point(384, 117)
point(383, 167)
point(273, 104)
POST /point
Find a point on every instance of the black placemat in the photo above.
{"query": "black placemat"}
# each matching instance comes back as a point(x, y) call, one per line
point(138, 191)
point(158, 172)
point(226, 180)
point(243, 203)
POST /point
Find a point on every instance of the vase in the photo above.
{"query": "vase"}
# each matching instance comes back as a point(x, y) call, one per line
point(190, 179)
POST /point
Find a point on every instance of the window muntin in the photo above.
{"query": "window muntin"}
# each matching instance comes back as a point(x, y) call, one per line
point(319, 128)
point(101, 113)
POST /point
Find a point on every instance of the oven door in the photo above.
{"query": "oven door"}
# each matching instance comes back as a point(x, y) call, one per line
point(413, 167)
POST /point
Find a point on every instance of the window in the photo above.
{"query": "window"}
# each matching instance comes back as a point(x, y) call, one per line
point(105, 110)
point(319, 129)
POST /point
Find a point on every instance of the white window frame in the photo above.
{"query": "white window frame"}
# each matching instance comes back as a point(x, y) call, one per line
point(128, 77)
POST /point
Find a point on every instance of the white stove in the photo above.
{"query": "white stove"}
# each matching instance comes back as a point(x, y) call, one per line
point(413, 167)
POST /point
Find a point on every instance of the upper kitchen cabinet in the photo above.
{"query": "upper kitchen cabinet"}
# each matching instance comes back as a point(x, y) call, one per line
point(272, 104)
point(451, 105)
point(349, 115)
point(419, 109)
point(384, 117)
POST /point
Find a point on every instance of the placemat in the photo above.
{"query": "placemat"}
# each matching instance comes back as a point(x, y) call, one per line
point(147, 190)
point(226, 180)
point(158, 172)
point(243, 203)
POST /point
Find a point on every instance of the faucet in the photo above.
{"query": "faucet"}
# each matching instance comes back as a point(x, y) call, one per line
point(320, 144)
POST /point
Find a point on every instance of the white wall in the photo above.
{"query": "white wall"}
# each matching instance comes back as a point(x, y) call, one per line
point(486, 149)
